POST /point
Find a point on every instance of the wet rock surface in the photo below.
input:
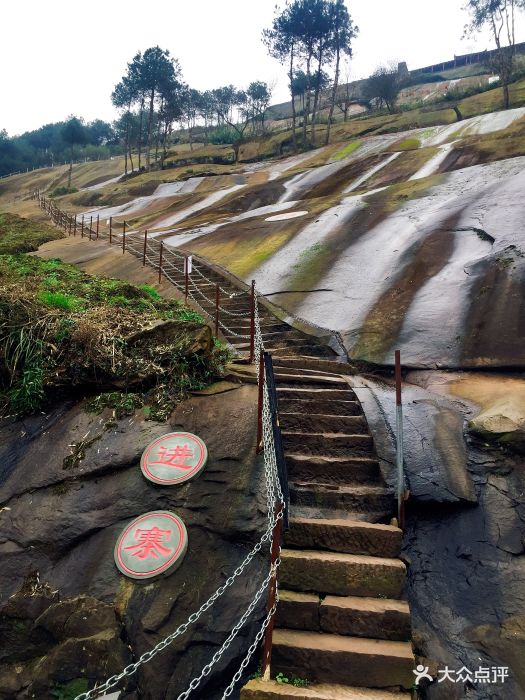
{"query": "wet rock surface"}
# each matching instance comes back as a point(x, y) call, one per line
point(62, 598)
point(465, 531)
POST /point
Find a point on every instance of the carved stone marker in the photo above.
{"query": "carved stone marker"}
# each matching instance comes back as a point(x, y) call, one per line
point(152, 545)
point(174, 458)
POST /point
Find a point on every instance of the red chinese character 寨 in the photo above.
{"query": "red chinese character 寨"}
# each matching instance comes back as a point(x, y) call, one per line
point(174, 457)
point(150, 543)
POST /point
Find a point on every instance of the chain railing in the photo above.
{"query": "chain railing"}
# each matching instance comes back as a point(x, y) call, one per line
point(167, 262)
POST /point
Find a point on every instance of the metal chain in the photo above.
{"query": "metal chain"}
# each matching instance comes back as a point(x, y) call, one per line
point(215, 658)
point(273, 496)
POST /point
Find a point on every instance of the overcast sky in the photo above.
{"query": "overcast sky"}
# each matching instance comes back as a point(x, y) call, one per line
point(61, 57)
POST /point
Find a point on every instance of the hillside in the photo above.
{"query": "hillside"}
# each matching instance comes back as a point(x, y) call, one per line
point(406, 232)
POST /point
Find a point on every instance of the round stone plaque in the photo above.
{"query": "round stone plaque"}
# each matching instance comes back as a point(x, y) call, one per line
point(174, 458)
point(151, 545)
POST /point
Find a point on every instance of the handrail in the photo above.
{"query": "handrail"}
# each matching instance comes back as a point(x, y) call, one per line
point(277, 436)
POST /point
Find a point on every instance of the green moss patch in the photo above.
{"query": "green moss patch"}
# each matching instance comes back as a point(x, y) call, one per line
point(19, 235)
point(347, 150)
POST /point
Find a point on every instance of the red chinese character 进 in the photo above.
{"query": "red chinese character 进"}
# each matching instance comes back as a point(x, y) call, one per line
point(174, 457)
point(150, 543)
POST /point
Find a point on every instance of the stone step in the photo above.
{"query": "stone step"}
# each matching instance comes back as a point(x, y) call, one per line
point(312, 350)
point(258, 689)
point(332, 470)
point(322, 422)
point(374, 618)
point(313, 364)
point(372, 663)
point(297, 392)
point(350, 537)
point(355, 497)
point(299, 369)
point(342, 574)
point(366, 617)
point(317, 512)
point(328, 444)
point(305, 406)
point(289, 379)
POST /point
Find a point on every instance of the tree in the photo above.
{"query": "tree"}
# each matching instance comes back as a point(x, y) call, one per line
point(499, 15)
point(384, 86)
point(157, 73)
point(342, 33)
point(190, 102)
point(73, 134)
point(282, 42)
point(239, 108)
point(258, 95)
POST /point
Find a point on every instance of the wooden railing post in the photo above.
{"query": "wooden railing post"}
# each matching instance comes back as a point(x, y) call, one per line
point(98, 223)
point(399, 444)
point(272, 594)
point(217, 303)
point(145, 248)
point(260, 404)
point(160, 261)
point(75, 226)
point(252, 323)
point(90, 226)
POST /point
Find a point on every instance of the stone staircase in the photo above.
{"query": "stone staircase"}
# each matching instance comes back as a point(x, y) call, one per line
point(341, 624)
point(279, 338)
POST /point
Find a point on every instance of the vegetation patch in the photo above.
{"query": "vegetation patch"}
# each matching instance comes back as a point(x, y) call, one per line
point(408, 144)
point(63, 330)
point(19, 235)
point(310, 265)
point(347, 150)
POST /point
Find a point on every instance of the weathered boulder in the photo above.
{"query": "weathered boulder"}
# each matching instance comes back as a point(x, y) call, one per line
point(60, 518)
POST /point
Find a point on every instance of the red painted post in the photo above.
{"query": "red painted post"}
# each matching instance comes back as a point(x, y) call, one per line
point(98, 223)
point(145, 247)
point(110, 228)
point(186, 280)
point(252, 324)
point(217, 302)
point(272, 589)
point(399, 444)
point(260, 404)
point(160, 261)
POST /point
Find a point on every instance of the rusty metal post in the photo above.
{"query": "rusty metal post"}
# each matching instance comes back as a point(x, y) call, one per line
point(90, 226)
point(160, 261)
point(110, 228)
point(145, 247)
point(124, 238)
point(217, 302)
point(75, 226)
point(98, 223)
point(272, 591)
point(186, 280)
point(252, 323)
point(399, 444)
point(260, 404)
point(70, 225)
point(82, 235)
